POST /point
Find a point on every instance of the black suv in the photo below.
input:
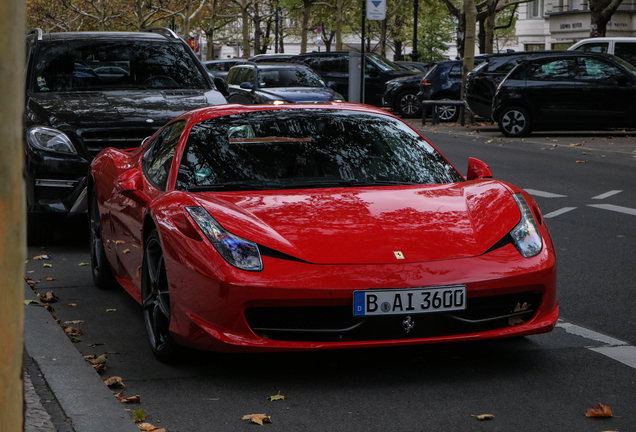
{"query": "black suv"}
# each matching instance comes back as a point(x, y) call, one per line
point(263, 83)
point(444, 82)
point(566, 91)
point(86, 91)
point(334, 67)
point(483, 80)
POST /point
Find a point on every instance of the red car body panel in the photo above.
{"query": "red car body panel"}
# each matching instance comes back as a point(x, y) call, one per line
point(339, 240)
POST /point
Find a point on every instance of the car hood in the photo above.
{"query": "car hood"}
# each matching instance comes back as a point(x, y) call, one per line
point(88, 109)
point(302, 94)
point(405, 79)
point(369, 225)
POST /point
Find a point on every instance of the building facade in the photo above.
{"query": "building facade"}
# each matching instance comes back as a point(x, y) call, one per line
point(557, 24)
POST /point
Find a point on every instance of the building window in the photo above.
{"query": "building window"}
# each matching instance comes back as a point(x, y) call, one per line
point(535, 9)
point(534, 47)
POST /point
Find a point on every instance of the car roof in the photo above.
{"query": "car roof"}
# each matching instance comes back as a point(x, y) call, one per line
point(274, 65)
point(547, 54)
point(105, 35)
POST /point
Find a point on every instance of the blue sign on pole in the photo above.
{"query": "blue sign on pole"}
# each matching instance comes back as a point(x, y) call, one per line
point(376, 10)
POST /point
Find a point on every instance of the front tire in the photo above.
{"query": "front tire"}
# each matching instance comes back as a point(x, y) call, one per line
point(100, 268)
point(155, 298)
point(407, 105)
point(514, 122)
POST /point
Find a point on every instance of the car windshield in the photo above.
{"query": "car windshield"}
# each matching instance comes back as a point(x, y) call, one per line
point(287, 149)
point(85, 65)
point(384, 64)
point(289, 77)
point(630, 67)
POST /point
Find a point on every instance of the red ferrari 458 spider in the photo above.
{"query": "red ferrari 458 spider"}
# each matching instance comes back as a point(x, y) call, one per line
point(292, 227)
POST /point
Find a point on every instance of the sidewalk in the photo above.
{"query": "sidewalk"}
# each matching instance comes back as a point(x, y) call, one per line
point(615, 141)
point(63, 393)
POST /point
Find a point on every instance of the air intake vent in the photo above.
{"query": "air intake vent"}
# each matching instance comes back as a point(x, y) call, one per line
point(181, 93)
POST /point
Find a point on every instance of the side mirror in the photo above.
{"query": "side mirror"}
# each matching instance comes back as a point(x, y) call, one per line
point(477, 169)
point(221, 86)
point(374, 73)
point(247, 85)
point(130, 184)
point(332, 85)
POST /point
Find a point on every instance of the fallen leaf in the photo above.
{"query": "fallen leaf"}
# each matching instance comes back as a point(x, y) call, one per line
point(72, 304)
point(29, 282)
point(114, 381)
point(577, 144)
point(42, 257)
point(581, 161)
point(111, 310)
point(147, 427)
point(118, 242)
point(139, 415)
point(32, 302)
point(98, 363)
point(49, 278)
point(132, 399)
point(47, 265)
point(599, 410)
point(101, 359)
point(257, 418)
point(484, 416)
point(49, 296)
point(489, 141)
point(74, 322)
point(83, 264)
point(71, 331)
point(94, 344)
point(126, 251)
point(75, 339)
point(276, 397)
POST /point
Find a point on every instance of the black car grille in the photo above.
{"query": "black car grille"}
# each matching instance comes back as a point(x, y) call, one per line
point(337, 323)
point(97, 140)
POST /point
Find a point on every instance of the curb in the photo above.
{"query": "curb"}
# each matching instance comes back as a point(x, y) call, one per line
point(86, 401)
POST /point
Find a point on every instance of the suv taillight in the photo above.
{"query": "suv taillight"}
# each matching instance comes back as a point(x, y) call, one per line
point(425, 82)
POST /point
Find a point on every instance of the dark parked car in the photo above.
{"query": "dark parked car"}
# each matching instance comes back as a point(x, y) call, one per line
point(420, 67)
point(334, 67)
point(220, 68)
point(401, 95)
point(252, 83)
point(268, 58)
point(72, 113)
point(572, 90)
point(444, 82)
point(483, 80)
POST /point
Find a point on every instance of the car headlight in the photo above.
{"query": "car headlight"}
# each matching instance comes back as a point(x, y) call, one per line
point(525, 235)
point(277, 102)
point(239, 252)
point(50, 139)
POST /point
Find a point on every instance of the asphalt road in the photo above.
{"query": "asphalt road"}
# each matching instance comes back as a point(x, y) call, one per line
point(538, 383)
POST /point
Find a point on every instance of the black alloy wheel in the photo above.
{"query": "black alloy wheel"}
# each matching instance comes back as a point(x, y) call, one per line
point(447, 113)
point(100, 269)
point(407, 105)
point(156, 301)
point(515, 122)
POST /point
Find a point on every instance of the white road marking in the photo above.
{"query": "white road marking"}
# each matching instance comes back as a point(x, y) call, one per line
point(619, 209)
point(607, 194)
point(589, 334)
point(543, 194)
point(558, 212)
point(623, 354)
point(614, 348)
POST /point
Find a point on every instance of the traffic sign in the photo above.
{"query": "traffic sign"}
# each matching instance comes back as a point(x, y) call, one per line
point(376, 10)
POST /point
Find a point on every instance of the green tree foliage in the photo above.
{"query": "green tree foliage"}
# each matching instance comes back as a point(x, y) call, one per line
point(435, 31)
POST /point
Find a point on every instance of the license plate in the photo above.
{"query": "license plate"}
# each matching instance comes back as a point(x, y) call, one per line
point(409, 301)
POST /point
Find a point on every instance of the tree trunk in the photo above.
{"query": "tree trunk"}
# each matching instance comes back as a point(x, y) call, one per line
point(383, 37)
point(258, 32)
point(461, 33)
point(481, 36)
point(339, 7)
point(398, 50)
point(246, 28)
point(305, 25)
point(601, 12)
point(12, 203)
point(470, 13)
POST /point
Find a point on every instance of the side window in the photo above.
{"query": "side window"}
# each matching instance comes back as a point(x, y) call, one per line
point(455, 71)
point(245, 74)
point(328, 64)
point(626, 51)
point(158, 157)
point(552, 70)
point(595, 71)
point(600, 47)
point(232, 76)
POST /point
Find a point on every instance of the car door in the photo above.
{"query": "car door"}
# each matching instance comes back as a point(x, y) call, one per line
point(332, 68)
point(607, 93)
point(552, 91)
point(237, 76)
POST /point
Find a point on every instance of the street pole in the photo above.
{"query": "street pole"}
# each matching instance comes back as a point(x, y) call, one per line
point(362, 66)
point(415, 55)
point(12, 205)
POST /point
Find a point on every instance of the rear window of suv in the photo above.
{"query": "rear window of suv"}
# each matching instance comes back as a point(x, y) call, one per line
point(85, 65)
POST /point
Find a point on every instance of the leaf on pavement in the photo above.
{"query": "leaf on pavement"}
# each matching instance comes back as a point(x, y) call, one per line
point(483, 417)
point(83, 264)
point(32, 302)
point(71, 331)
point(132, 399)
point(30, 282)
point(147, 427)
point(72, 304)
point(599, 410)
point(98, 363)
point(42, 257)
point(126, 251)
point(257, 418)
point(74, 322)
point(114, 381)
point(111, 310)
point(139, 415)
point(49, 296)
point(49, 278)
point(118, 242)
point(276, 397)
point(581, 161)
point(47, 265)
